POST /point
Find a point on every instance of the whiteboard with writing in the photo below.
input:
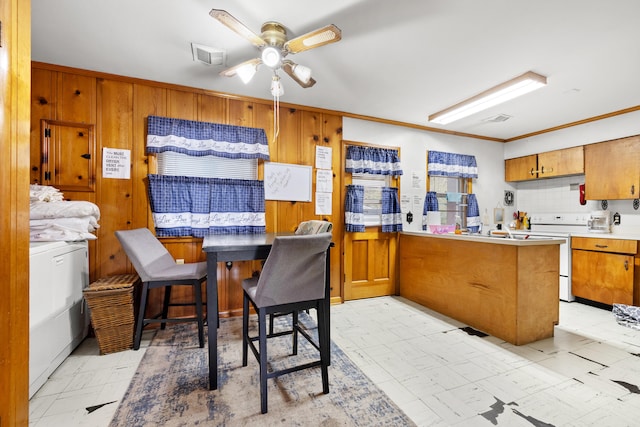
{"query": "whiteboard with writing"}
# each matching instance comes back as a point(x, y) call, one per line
point(285, 181)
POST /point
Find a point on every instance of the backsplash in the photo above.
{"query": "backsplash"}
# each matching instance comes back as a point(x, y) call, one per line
point(562, 195)
point(552, 195)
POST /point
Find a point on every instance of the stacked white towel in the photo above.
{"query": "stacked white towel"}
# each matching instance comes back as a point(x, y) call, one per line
point(52, 218)
point(45, 193)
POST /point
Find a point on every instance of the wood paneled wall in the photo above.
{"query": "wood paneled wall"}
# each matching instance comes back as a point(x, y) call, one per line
point(15, 53)
point(119, 107)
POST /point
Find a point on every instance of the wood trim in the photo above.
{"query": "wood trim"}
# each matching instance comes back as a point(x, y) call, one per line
point(15, 104)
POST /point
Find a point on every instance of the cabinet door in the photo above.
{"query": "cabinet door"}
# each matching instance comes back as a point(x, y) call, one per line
point(568, 161)
point(602, 277)
point(521, 168)
point(612, 169)
point(68, 161)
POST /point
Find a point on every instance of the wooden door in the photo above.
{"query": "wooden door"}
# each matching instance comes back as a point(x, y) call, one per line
point(569, 161)
point(370, 264)
point(369, 258)
point(521, 168)
point(612, 169)
point(68, 161)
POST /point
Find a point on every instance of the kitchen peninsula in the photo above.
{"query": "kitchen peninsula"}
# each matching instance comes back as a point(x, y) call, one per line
point(505, 287)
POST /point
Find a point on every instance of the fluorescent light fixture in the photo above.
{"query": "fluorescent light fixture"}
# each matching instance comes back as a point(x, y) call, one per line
point(513, 88)
point(271, 57)
point(246, 72)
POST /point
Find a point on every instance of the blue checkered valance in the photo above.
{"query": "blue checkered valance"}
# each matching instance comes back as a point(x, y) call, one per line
point(373, 160)
point(453, 165)
point(196, 206)
point(205, 139)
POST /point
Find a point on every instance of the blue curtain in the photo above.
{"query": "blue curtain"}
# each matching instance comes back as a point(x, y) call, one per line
point(354, 208)
point(376, 161)
point(430, 205)
point(195, 206)
point(473, 214)
point(451, 164)
point(391, 213)
point(205, 139)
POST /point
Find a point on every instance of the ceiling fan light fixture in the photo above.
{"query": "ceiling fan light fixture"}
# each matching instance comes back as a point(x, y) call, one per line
point(246, 72)
point(271, 57)
point(303, 73)
point(503, 92)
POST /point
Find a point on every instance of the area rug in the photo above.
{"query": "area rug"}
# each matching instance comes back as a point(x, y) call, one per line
point(170, 387)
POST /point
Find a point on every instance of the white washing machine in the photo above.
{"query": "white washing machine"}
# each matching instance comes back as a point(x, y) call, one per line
point(58, 319)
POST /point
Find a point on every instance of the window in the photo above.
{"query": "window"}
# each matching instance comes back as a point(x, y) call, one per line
point(177, 164)
point(452, 198)
point(372, 195)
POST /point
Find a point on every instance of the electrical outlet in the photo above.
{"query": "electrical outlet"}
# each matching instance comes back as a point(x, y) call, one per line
point(180, 261)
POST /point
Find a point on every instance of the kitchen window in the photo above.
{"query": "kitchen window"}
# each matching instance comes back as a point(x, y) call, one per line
point(452, 198)
point(372, 195)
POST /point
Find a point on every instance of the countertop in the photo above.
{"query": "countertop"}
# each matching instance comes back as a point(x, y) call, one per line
point(531, 241)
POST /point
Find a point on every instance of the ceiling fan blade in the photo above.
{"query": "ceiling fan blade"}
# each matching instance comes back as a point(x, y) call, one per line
point(225, 18)
point(317, 38)
point(288, 68)
point(230, 72)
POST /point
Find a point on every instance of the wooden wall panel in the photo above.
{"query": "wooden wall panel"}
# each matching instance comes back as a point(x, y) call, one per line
point(115, 199)
point(182, 105)
point(42, 95)
point(332, 137)
point(148, 101)
point(122, 109)
point(212, 109)
point(76, 98)
point(264, 120)
point(241, 113)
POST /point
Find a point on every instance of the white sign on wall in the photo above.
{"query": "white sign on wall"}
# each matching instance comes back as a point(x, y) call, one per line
point(116, 163)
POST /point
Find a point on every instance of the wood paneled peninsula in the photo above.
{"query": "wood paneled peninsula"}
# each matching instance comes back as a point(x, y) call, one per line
point(508, 288)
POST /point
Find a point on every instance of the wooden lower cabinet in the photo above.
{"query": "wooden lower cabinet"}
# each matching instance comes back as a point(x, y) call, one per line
point(604, 270)
point(508, 291)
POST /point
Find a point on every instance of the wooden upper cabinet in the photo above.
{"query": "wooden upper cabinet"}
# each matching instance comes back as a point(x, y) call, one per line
point(612, 169)
point(521, 168)
point(568, 161)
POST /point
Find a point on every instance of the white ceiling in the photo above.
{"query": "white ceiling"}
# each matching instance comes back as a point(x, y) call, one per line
point(398, 60)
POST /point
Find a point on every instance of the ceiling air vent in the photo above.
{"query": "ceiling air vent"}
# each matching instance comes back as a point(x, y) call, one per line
point(498, 118)
point(208, 55)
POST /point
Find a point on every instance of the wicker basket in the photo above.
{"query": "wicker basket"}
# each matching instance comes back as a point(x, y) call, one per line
point(111, 302)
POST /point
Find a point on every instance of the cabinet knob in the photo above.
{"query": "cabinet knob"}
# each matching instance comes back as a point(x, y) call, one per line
point(626, 265)
point(633, 189)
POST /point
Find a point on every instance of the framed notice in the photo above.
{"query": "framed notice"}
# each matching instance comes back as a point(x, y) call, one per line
point(285, 181)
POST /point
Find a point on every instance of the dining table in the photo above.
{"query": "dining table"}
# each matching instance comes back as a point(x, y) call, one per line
point(239, 247)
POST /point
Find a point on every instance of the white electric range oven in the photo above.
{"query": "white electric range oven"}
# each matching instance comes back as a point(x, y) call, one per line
point(560, 225)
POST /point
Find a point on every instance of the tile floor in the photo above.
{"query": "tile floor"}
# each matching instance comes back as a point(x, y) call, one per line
point(588, 374)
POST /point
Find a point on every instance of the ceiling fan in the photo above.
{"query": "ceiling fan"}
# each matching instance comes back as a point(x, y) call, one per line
point(274, 47)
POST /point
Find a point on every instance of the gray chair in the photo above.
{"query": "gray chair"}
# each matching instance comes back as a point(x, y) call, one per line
point(305, 227)
point(158, 269)
point(293, 278)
